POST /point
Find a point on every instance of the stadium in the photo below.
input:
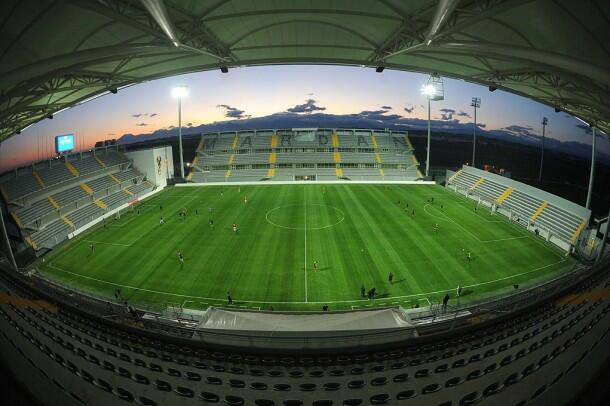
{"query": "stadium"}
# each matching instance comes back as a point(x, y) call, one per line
point(304, 262)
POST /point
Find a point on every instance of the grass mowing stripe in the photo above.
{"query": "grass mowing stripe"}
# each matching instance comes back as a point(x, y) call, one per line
point(263, 264)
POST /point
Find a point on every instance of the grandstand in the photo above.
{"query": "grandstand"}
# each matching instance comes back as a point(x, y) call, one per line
point(50, 200)
point(305, 154)
point(557, 220)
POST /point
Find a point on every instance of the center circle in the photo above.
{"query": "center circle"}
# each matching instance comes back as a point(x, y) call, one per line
point(305, 216)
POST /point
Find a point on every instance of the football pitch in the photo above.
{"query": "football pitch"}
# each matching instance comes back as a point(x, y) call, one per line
point(356, 235)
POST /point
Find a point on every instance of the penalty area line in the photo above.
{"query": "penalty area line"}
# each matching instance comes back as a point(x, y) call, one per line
point(108, 243)
point(283, 302)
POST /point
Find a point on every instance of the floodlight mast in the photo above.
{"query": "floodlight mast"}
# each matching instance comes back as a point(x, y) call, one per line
point(545, 121)
point(592, 174)
point(476, 103)
point(433, 90)
point(180, 92)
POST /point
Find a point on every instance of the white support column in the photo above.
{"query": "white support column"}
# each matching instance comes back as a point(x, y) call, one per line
point(428, 148)
point(8, 243)
point(180, 137)
point(591, 175)
point(602, 248)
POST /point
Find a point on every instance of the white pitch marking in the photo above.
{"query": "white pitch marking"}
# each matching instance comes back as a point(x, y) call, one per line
point(323, 302)
point(109, 243)
point(305, 232)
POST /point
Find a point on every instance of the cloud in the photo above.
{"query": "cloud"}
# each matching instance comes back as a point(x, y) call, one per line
point(138, 115)
point(447, 114)
point(308, 107)
point(386, 107)
point(232, 112)
point(519, 130)
point(409, 109)
point(141, 124)
point(377, 115)
point(463, 114)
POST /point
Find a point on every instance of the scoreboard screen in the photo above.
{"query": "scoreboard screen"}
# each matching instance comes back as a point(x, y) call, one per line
point(64, 143)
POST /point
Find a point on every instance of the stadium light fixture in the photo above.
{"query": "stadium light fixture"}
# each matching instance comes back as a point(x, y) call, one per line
point(433, 90)
point(476, 103)
point(545, 121)
point(379, 69)
point(180, 92)
point(224, 69)
point(492, 88)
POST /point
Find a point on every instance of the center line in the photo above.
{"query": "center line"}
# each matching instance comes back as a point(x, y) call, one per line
point(305, 232)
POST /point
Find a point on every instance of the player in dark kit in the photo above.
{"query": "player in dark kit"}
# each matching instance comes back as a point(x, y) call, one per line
point(92, 248)
point(390, 277)
point(181, 259)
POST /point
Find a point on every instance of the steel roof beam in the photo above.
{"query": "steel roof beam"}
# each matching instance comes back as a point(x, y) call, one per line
point(443, 11)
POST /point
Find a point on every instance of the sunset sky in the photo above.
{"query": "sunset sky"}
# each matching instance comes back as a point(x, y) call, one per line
point(261, 91)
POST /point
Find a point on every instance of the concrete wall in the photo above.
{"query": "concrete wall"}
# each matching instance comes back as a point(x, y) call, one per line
point(157, 164)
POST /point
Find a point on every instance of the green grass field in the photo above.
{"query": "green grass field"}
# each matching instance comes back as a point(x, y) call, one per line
point(358, 234)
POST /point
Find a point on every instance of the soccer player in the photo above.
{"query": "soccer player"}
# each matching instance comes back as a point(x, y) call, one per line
point(181, 259)
point(468, 256)
point(362, 291)
point(458, 291)
point(441, 206)
point(160, 207)
point(390, 277)
point(245, 199)
point(196, 212)
point(413, 212)
point(436, 228)
point(315, 266)
point(445, 301)
point(92, 248)
point(161, 221)
point(229, 298)
point(211, 223)
point(235, 228)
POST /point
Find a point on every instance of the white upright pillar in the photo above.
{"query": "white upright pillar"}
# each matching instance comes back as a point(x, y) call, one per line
point(180, 137)
point(428, 149)
point(591, 176)
point(8, 243)
point(474, 138)
point(544, 123)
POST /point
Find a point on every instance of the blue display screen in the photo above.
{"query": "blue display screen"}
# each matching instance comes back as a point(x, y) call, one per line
point(64, 143)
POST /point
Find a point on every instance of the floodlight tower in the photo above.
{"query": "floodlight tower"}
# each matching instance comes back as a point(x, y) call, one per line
point(433, 90)
point(179, 93)
point(545, 121)
point(476, 103)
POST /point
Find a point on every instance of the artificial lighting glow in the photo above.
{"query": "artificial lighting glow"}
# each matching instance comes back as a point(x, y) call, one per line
point(428, 90)
point(180, 92)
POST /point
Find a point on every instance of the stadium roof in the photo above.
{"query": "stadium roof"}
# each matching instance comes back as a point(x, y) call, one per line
point(57, 53)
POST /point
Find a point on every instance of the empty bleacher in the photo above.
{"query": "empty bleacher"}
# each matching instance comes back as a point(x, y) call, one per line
point(52, 199)
point(525, 358)
point(323, 154)
point(526, 204)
